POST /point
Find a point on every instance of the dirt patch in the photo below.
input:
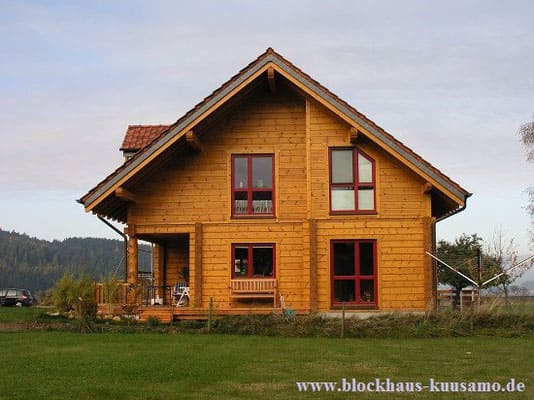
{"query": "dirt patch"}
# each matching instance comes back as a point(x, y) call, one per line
point(33, 326)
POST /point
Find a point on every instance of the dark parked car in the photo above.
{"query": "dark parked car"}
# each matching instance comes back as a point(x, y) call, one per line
point(16, 297)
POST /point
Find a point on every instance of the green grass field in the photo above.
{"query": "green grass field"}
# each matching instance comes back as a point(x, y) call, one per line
point(61, 365)
point(21, 314)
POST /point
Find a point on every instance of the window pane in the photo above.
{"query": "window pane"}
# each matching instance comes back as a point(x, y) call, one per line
point(343, 199)
point(367, 291)
point(365, 170)
point(366, 259)
point(366, 199)
point(262, 260)
point(344, 258)
point(344, 290)
point(240, 172)
point(241, 261)
point(342, 166)
point(241, 203)
point(262, 202)
point(262, 172)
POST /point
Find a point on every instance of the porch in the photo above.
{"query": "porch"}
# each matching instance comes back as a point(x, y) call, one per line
point(166, 303)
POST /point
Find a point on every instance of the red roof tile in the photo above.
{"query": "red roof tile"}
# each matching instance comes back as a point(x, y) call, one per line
point(139, 136)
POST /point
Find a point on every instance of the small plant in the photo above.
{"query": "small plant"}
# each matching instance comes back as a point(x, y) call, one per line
point(76, 295)
point(153, 321)
point(111, 286)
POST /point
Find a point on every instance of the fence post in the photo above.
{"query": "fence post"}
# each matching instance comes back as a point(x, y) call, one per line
point(210, 315)
point(343, 320)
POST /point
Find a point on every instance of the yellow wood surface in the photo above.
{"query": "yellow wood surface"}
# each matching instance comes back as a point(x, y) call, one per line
point(195, 187)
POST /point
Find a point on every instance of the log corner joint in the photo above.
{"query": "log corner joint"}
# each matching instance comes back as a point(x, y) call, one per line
point(354, 135)
point(271, 79)
point(192, 140)
point(126, 195)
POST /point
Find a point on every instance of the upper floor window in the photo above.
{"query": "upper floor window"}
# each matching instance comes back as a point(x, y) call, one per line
point(252, 184)
point(352, 181)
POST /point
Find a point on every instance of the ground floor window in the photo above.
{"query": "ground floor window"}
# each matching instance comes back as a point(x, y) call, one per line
point(253, 260)
point(353, 272)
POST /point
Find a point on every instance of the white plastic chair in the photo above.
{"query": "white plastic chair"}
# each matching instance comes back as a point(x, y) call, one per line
point(180, 294)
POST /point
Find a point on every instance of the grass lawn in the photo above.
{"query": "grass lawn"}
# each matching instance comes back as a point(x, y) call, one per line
point(20, 314)
point(61, 365)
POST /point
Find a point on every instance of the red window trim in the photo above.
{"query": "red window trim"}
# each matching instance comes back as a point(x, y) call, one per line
point(357, 278)
point(250, 246)
point(250, 189)
point(355, 184)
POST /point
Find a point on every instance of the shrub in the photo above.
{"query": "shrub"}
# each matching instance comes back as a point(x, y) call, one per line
point(401, 325)
point(153, 321)
point(76, 295)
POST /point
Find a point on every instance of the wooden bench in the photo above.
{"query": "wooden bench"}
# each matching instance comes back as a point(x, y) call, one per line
point(253, 289)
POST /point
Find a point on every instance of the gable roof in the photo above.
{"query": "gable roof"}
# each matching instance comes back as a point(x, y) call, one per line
point(312, 88)
point(139, 136)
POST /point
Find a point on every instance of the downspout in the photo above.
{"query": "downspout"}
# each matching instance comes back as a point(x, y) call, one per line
point(434, 236)
point(125, 238)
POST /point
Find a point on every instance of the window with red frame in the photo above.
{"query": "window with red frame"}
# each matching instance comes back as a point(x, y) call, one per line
point(353, 266)
point(352, 181)
point(253, 184)
point(253, 261)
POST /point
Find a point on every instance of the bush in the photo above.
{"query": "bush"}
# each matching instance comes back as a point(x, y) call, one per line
point(76, 295)
point(400, 325)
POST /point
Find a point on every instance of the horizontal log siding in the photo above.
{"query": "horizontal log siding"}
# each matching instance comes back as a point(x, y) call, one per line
point(291, 272)
point(197, 186)
point(177, 259)
point(401, 259)
point(399, 191)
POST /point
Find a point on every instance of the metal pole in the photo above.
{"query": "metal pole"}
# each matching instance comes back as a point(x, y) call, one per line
point(479, 268)
point(507, 270)
point(125, 245)
point(448, 266)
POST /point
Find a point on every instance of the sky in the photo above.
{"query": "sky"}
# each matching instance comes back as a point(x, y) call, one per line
point(453, 80)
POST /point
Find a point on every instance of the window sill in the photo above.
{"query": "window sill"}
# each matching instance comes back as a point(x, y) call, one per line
point(344, 213)
point(354, 307)
point(253, 216)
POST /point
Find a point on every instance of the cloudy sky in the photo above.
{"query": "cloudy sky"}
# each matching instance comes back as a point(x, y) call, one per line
point(451, 79)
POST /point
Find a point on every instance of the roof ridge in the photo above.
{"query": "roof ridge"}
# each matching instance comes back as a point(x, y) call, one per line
point(146, 125)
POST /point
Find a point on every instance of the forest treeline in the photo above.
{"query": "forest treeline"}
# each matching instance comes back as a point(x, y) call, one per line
point(36, 264)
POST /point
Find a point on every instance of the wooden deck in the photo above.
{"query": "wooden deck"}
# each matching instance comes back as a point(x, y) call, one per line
point(167, 314)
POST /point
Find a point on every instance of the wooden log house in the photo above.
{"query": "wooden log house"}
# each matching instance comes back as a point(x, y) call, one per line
point(274, 188)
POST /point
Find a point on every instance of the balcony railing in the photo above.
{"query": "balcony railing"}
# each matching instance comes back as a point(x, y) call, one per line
point(258, 206)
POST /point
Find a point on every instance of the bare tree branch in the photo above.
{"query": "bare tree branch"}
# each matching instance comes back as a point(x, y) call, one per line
point(526, 132)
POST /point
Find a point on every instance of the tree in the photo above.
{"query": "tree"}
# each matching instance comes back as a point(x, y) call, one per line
point(461, 255)
point(526, 131)
point(501, 254)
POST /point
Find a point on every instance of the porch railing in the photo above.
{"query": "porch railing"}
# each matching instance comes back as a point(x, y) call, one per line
point(122, 293)
point(111, 294)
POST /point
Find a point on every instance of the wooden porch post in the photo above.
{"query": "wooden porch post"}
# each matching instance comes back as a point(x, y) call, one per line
point(157, 262)
point(429, 265)
point(313, 264)
point(133, 247)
